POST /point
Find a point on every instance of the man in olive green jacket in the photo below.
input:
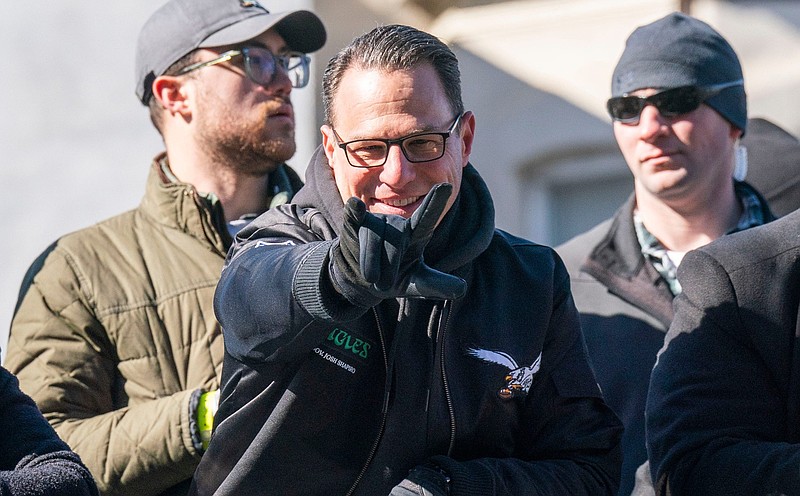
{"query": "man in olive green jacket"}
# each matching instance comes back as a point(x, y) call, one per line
point(114, 335)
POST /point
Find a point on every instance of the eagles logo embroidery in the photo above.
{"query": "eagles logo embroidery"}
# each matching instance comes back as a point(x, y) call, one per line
point(518, 380)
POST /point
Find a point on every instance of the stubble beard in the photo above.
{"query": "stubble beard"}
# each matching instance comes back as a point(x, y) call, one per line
point(251, 146)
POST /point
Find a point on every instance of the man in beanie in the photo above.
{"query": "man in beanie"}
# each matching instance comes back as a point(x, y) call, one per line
point(679, 109)
point(114, 335)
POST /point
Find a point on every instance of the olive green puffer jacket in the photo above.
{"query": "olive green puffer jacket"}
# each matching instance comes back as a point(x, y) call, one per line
point(115, 331)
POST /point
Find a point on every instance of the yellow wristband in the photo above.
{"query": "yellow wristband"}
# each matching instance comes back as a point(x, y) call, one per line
point(206, 409)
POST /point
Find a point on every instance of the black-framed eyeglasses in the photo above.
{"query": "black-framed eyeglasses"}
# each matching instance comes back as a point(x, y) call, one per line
point(261, 65)
point(417, 148)
point(670, 103)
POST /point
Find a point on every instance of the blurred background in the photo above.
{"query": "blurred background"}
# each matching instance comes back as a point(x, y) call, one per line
point(76, 144)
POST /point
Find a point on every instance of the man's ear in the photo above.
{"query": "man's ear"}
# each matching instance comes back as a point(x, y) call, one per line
point(736, 133)
point(467, 135)
point(328, 142)
point(172, 92)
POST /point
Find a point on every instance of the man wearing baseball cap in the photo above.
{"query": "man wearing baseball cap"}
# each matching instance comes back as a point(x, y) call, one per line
point(114, 335)
point(678, 108)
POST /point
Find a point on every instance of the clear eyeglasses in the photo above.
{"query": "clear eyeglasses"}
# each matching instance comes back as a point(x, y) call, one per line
point(261, 65)
point(419, 147)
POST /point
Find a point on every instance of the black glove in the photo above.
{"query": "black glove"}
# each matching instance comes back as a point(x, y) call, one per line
point(423, 480)
point(379, 256)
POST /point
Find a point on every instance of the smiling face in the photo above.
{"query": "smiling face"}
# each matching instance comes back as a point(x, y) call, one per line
point(678, 159)
point(371, 103)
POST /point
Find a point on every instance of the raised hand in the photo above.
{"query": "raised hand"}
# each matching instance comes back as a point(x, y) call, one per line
point(381, 256)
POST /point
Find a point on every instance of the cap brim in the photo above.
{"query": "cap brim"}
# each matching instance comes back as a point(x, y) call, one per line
point(301, 29)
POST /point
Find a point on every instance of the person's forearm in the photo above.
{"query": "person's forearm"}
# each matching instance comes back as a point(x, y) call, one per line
point(138, 450)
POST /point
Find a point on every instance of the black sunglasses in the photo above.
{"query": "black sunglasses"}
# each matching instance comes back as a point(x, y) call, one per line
point(670, 103)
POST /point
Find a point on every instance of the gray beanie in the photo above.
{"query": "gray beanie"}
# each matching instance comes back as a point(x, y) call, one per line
point(679, 50)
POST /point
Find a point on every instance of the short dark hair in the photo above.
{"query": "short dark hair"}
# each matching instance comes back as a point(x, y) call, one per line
point(394, 47)
point(156, 110)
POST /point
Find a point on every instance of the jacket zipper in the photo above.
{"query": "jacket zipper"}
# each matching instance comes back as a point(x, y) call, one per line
point(446, 385)
point(384, 412)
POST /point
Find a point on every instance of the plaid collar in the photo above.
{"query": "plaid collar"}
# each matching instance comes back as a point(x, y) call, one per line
point(753, 214)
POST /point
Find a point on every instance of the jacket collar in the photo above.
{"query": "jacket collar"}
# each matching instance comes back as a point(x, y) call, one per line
point(619, 251)
point(178, 205)
point(617, 262)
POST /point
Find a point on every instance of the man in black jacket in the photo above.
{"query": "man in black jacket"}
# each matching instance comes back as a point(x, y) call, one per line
point(381, 336)
point(678, 108)
point(723, 413)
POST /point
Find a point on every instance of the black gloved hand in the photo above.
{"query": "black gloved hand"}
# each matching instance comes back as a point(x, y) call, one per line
point(423, 480)
point(379, 256)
